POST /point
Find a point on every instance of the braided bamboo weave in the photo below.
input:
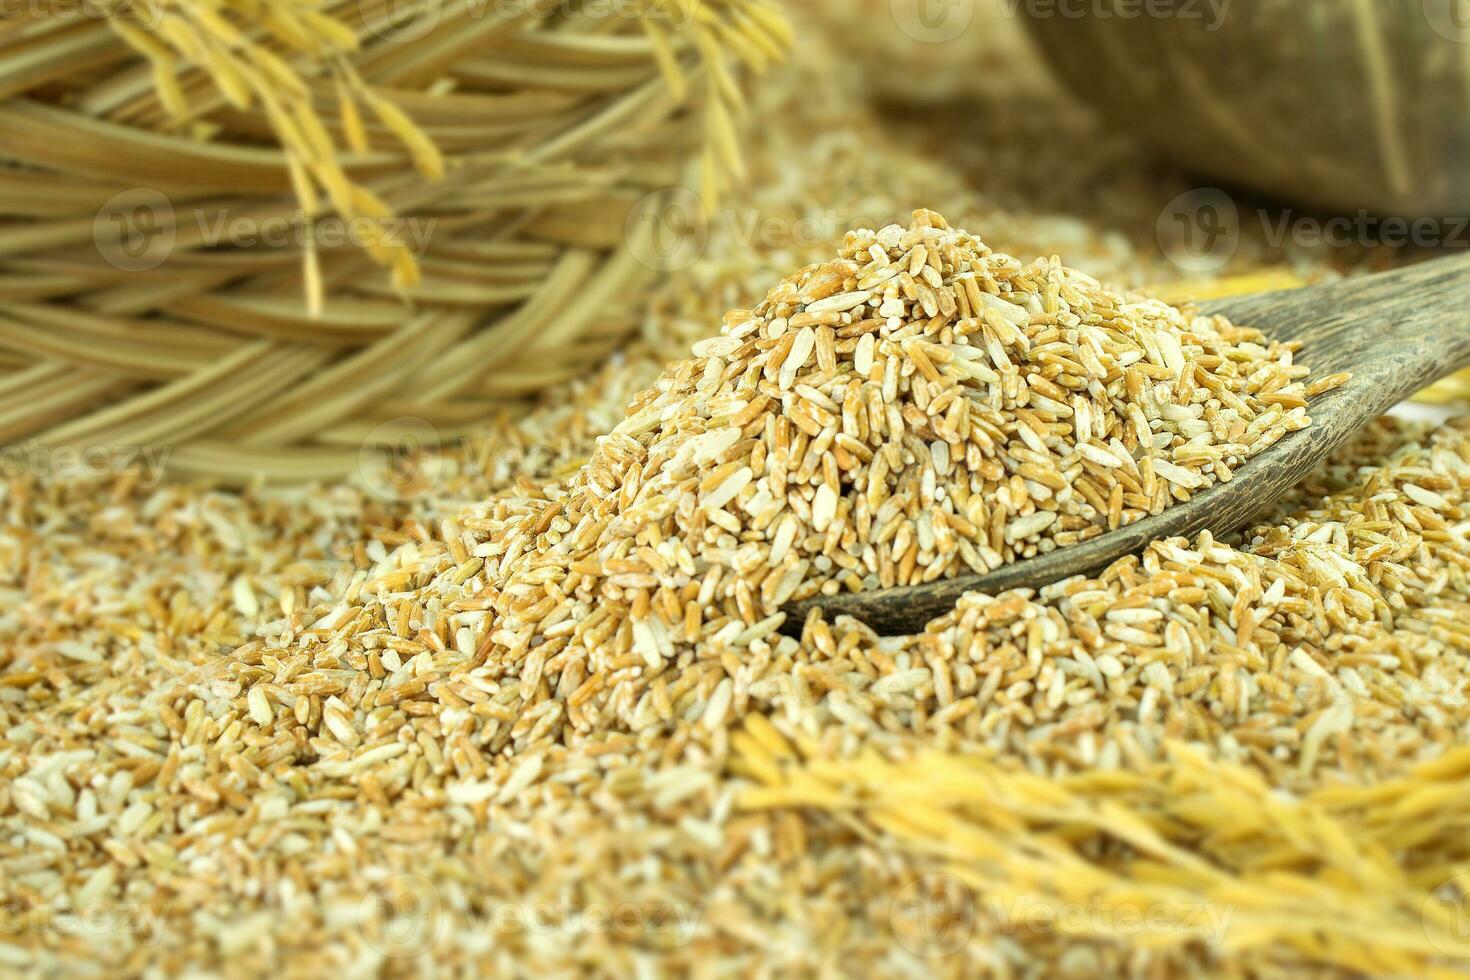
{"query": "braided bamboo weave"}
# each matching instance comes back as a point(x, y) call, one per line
point(169, 168)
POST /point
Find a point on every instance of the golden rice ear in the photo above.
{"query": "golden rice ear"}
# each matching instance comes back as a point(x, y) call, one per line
point(302, 185)
point(1207, 847)
point(352, 128)
point(243, 70)
point(166, 80)
point(426, 155)
point(668, 61)
point(312, 278)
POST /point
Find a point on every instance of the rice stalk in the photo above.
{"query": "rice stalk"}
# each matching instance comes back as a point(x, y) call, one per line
point(1349, 877)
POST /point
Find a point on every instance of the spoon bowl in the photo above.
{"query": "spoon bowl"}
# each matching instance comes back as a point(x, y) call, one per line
point(1394, 332)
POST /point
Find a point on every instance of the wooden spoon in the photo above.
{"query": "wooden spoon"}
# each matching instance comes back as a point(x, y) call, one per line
point(1396, 332)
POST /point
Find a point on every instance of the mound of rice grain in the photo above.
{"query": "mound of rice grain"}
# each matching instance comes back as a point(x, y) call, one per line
point(919, 406)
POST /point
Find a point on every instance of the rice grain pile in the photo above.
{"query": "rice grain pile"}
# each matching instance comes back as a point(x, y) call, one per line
point(920, 406)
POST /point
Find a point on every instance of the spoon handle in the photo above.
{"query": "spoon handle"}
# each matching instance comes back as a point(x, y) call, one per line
point(1395, 331)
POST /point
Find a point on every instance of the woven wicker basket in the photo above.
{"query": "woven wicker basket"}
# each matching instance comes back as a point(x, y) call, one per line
point(256, 232)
